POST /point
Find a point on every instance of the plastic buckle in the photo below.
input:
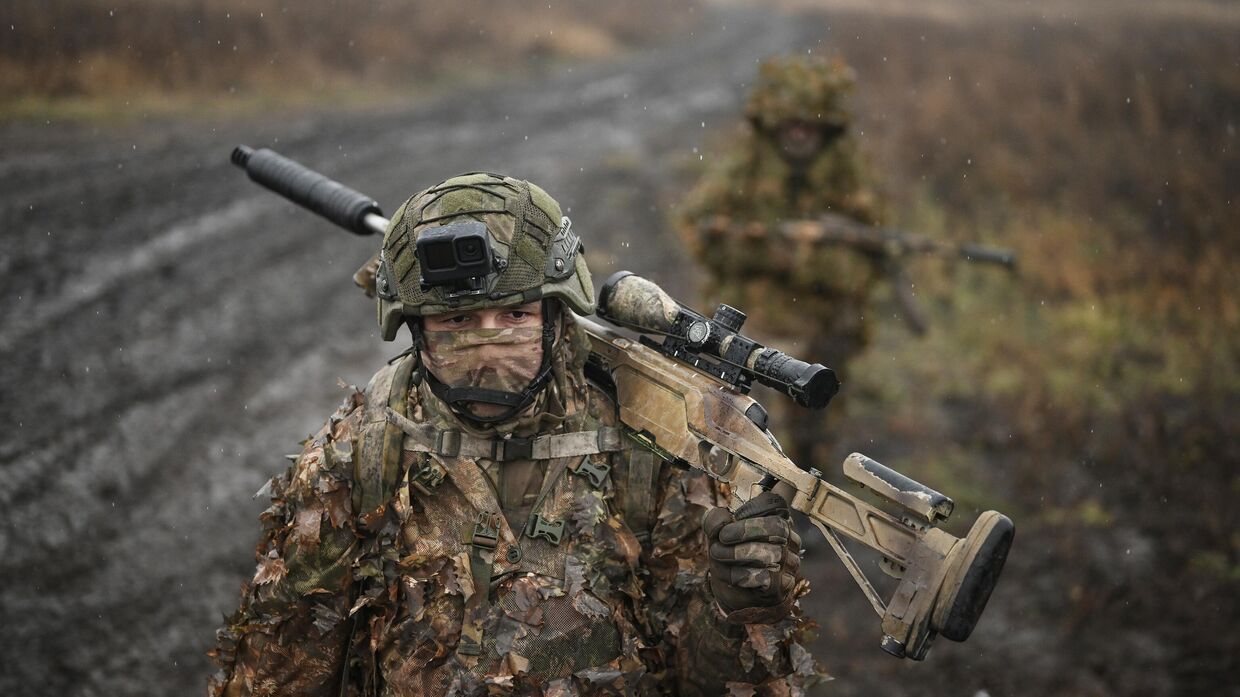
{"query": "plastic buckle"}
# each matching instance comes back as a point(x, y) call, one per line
point(486, 531)
point(428, 477)
point(595, 472)
point(449, 444)
point(549, 530)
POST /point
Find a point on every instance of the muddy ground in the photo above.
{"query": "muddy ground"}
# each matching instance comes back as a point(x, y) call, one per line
point(169, 330)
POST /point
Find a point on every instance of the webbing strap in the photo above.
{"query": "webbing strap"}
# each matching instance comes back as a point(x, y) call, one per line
point(377, 466)
point(447, 443)
point(482, 541)
point(640, 493)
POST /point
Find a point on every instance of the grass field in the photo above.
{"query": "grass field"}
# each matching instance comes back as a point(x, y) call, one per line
point(1095, 395)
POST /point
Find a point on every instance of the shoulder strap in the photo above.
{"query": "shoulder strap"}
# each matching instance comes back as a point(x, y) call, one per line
point(376, 467)
point(642, 485)
point(642, 479)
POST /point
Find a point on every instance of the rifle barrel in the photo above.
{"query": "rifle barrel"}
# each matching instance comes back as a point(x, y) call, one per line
point(989, 255)
point(839, 229)
point(346, 207)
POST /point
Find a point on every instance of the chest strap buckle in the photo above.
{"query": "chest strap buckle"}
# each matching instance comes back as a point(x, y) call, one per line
point(486, 531)
point(428, 477)
point(549, 530)
point(596, 472)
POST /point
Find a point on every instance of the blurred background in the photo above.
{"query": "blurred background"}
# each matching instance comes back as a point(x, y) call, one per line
point(169, 330)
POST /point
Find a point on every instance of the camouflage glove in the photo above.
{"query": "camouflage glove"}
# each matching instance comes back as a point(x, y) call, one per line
point(754, 559)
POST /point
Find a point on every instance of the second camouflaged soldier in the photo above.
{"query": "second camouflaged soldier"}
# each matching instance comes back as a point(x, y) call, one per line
point(476, 522)
point(796, 160)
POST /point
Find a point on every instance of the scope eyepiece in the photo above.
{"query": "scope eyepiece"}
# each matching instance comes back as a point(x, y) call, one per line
point(812, 385)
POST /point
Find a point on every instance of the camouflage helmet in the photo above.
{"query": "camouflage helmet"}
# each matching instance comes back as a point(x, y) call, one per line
point(800, 88)
point(536, 253)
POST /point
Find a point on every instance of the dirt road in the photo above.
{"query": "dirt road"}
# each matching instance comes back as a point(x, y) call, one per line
point(169, 330)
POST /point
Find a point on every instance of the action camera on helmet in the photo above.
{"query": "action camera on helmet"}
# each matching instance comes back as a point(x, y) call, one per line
point(457, 255)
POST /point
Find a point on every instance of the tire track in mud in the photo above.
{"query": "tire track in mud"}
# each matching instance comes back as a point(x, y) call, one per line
point(104, 275)
point(169, 332)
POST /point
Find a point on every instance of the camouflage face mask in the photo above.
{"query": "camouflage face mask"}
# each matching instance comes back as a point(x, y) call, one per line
point(495, 359)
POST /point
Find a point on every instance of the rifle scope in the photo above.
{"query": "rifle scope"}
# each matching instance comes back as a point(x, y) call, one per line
point(713, 345)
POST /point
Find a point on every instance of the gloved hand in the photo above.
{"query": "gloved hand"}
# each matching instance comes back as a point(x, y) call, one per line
point(754, 559)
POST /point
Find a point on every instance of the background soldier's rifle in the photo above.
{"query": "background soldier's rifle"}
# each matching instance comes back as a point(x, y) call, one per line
point(886, 245)
point(686, 397)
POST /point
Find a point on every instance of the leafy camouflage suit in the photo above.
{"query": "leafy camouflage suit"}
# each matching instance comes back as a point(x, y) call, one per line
point(397, 552)
point(813, 299)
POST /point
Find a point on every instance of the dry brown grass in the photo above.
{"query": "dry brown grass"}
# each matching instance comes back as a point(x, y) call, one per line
point(1095, 397)
point(132, 50)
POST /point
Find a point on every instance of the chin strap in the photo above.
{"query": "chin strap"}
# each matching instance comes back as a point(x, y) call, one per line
point(458, 398)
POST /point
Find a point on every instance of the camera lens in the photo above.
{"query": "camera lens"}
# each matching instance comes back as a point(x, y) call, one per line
point(469, 249)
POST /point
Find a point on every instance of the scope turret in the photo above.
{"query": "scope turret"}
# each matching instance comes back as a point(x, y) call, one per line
point(712, 345)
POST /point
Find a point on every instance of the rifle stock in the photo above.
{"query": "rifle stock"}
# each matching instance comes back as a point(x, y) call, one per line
point(688, 416)
point(709, 423)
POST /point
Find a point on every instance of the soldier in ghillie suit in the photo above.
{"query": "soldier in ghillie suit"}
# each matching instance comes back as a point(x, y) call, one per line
point(796, 160)
point(476, 521)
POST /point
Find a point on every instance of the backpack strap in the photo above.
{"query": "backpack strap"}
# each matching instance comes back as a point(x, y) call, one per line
point(376, 471)
point(376, 468)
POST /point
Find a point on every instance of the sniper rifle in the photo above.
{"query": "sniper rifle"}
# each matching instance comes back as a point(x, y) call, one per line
point(685, 396)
